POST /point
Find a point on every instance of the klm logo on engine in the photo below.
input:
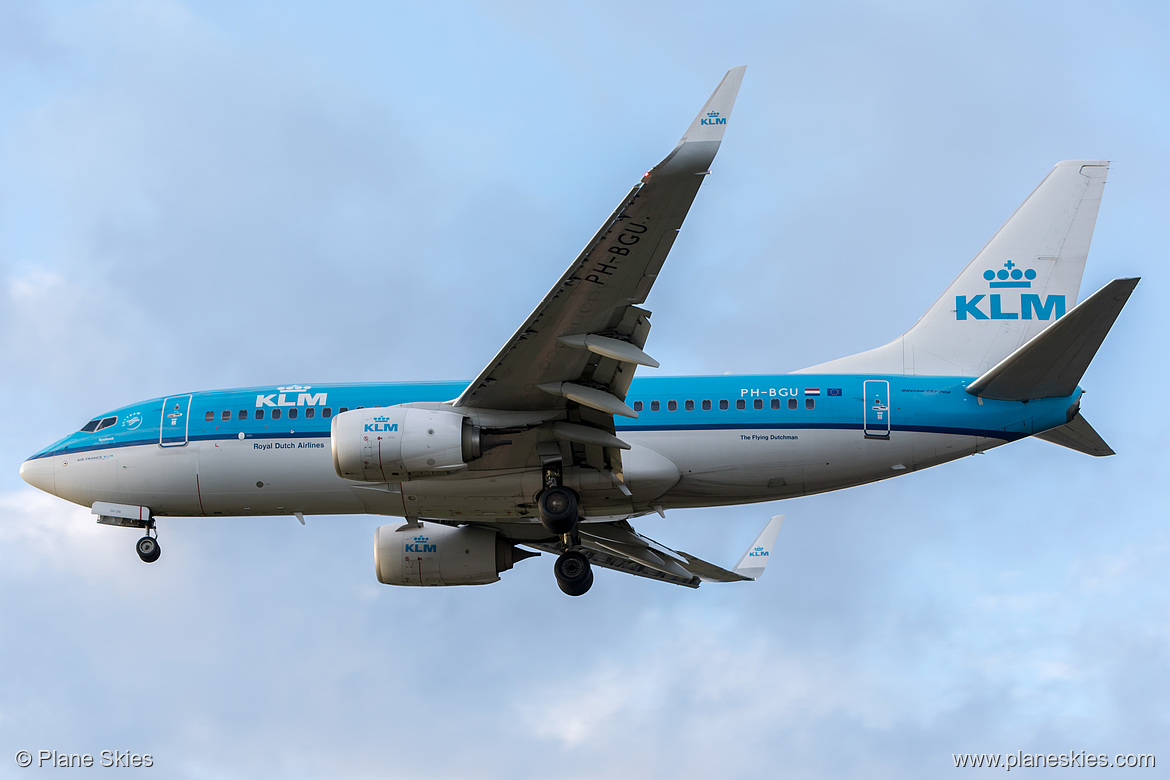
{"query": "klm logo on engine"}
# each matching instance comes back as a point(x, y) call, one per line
point(420, 545)
point(381, 425)
point(284, 396)
point(1030, 305)
point(713, 118)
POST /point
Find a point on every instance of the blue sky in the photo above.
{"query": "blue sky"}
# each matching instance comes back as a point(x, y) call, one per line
point(196, 196)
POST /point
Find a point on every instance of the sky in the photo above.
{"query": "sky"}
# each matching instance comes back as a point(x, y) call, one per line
point(206, 195)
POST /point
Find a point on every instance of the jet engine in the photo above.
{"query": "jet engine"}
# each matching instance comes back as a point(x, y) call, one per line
point(431, 554)
point(399, 443)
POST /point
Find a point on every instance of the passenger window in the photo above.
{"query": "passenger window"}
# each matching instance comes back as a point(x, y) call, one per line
point(791, 403)
point(327, 412)
point(292, 414)
point(275, 414)
point(225, 415)
point(243, 415)
point(259, 414)
point(672, 406)
point(758, 403)
point(723, 404)
point(706, 405)
point(654, 406)
point(775, 403)
point(209, 416)
point(740, 404)
point(689, 406)
point(637, 406)
point(809, 403)
point(310, 413)
point(343, 410)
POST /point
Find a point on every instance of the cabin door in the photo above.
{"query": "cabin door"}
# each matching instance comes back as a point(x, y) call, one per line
point(877, 408)
point(173, 427)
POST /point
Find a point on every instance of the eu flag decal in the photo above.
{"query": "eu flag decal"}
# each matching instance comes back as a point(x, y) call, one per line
point(835, 391)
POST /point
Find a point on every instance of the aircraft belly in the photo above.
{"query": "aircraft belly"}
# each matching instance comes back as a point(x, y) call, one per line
point(505, 495)
point(742, 466)
point(163, 479)
point(242, 477)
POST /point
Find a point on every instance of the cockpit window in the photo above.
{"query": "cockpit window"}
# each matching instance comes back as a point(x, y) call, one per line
point(98, 424)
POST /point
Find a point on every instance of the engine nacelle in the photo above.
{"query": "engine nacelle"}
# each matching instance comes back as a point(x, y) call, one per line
point(398, 443)
point(431, 554)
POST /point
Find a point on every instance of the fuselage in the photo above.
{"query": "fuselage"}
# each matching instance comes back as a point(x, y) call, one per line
point(697, 441)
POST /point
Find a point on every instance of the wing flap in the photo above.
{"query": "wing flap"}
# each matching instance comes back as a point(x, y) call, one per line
point(618, 546)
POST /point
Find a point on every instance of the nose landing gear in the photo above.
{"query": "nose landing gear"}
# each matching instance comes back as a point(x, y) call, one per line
point(147, 547)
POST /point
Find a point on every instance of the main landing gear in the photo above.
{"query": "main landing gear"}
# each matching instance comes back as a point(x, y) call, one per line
point(559, 514)
point(147, 547)
point(573, 572)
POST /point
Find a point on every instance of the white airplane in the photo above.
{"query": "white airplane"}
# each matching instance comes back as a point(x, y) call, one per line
point(555, 446)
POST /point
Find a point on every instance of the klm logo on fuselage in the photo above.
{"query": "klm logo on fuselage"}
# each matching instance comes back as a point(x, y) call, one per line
point(420, 545)
point(713, 118)
point(284, 397)
point(1031, 306)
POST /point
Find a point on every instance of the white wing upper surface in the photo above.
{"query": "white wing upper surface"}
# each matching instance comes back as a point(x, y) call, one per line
point(583, 341)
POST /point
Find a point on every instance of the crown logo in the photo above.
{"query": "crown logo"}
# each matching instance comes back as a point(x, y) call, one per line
point(712, 113)
point(422, 539)
point(1010, 276)
point(292, 389)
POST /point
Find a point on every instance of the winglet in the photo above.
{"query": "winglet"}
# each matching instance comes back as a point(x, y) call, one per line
point(752, 564)
point(712, 120)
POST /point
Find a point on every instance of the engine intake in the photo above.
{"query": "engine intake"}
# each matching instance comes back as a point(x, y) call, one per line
point(431, 554)
point(398, 443)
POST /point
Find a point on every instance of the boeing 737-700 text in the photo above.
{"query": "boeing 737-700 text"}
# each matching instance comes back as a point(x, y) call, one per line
point(555, 446)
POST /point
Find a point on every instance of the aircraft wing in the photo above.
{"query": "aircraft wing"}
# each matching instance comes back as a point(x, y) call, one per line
point(583, 342)
point(619, 547)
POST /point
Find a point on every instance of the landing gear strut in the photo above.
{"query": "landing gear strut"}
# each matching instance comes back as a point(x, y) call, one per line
point(147, 547)
point(558, 507)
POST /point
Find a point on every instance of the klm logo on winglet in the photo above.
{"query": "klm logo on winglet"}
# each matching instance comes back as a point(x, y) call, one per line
point(420, 545)
point(381, 425)
point(758, 552)
point(713, 118)
point(1030, 305)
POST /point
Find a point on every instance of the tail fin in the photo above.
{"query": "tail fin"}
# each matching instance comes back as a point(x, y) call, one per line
point(1026, 276)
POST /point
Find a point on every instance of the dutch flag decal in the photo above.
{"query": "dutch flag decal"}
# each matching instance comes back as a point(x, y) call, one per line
point(812, 391)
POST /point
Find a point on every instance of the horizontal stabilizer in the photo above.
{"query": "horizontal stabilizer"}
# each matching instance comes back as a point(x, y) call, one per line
point(1051, 364)
point(1078, 435)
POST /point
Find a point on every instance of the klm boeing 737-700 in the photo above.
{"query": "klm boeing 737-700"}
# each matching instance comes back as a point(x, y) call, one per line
point(556, 447)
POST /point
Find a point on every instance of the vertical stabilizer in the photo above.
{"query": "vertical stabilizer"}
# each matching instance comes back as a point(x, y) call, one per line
point(1023, 279)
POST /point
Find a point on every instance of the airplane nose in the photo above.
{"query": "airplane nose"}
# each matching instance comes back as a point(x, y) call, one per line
point(40, 473)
